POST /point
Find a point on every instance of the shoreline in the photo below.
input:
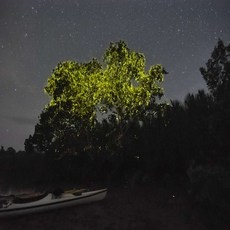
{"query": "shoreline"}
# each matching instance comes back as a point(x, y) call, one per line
point(142, 207)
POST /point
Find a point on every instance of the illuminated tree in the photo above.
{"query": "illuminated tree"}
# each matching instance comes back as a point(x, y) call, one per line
point(122, 87)
point(81, 93)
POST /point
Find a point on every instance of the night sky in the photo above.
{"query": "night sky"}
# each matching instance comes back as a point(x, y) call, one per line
point(36, 35)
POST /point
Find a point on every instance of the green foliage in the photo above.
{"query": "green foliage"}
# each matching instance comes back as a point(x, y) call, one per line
point(118, 90)
point(129, 89)
point(74, 87)
point(122, 87)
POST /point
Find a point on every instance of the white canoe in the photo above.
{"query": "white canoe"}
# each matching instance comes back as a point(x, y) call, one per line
point(49, 202)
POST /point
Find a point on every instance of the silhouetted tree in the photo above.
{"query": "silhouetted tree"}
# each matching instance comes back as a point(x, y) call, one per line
point(217, 72)
point(58, 133)
point(2, 150)
point(199, 109)
point(11, 151)
point(173, 157)
point(217, 76)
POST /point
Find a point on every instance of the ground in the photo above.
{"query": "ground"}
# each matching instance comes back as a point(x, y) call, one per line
point(124, 208)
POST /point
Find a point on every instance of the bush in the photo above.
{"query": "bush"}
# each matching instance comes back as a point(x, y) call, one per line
point(210, 189)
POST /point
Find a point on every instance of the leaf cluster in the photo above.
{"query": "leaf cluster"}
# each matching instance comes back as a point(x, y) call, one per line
point(120, 85)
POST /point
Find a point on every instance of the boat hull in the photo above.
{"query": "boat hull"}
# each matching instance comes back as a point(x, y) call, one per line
point(50, 203)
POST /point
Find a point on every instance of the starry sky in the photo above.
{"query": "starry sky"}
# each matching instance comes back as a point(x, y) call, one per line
point(35, 35)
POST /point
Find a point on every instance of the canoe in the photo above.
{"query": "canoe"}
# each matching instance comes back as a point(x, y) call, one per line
point(12, 206)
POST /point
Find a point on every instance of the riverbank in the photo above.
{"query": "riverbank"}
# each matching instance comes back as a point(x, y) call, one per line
point(124, 208)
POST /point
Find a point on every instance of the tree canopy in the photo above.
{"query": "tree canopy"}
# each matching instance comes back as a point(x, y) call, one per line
point(120, 85)
point(217, 71)
point(119, 89)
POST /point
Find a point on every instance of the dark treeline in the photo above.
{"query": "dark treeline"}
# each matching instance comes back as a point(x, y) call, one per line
point(182, 144)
